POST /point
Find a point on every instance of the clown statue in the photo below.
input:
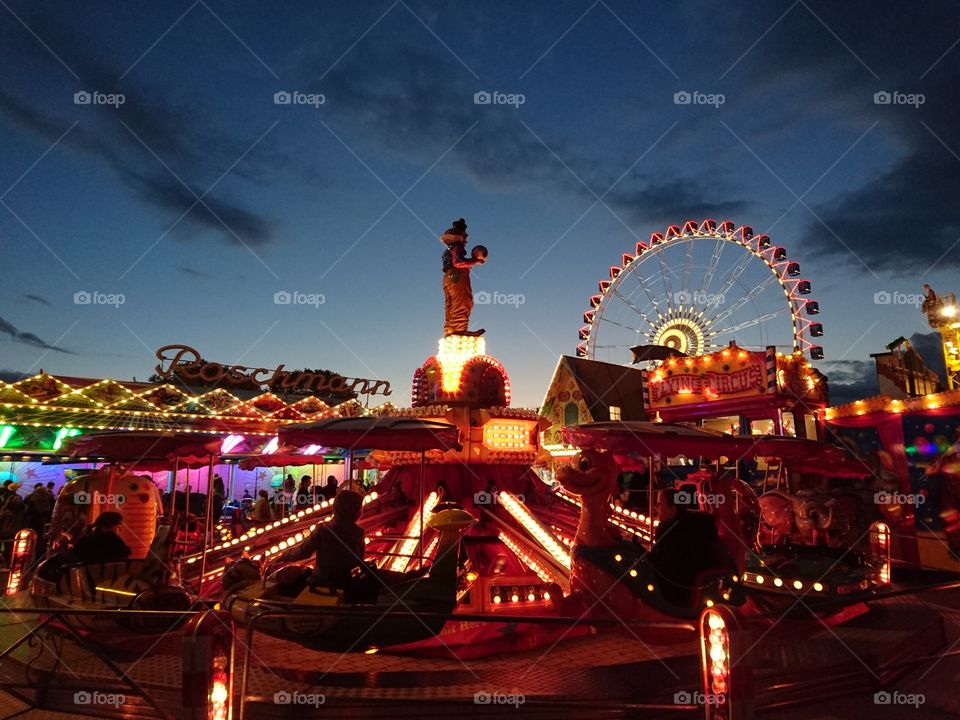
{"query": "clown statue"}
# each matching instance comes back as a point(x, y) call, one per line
point(457, 292)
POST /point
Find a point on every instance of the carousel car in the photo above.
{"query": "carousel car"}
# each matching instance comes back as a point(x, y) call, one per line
point(134, 584)
point(633, 582)
point(143, 581)
point(818, 576)
point(321, 618)
point(814, 575)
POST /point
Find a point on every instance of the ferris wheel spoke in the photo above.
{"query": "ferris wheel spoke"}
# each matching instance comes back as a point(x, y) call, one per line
point(687, 265)
point(712, 267)
point(749, 323)
point(623, 325)
point(629, 304)
point(754, 291)
point(646, 289)
point(742, 264)
point(665, 273)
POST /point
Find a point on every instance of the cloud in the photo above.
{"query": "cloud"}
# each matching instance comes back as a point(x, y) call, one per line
point(11, 376)
point(671, 200)
point(38, 299)
point(193, 272)
point(186, 138)
point(27, 338)
point(850, 380)
point(414, 103)
point(820, 67)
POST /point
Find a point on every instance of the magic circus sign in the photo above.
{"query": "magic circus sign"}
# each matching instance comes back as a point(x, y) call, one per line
point(185, 363)
point(731, 373)
point(710, 384)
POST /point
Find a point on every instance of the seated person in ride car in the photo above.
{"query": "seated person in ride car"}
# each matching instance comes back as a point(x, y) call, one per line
point(338, 545)
point(684, 546)
point(261, 508)
point(329, 490)
point(101, 542)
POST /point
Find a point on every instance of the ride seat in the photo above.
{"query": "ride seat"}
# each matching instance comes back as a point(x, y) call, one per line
point(708, 582)
point(717, 566)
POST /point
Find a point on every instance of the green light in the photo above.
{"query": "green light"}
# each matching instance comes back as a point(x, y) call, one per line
point(63, 434)
point(6, 432)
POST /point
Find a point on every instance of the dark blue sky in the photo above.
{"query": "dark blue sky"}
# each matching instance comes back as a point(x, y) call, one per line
point(346, 199)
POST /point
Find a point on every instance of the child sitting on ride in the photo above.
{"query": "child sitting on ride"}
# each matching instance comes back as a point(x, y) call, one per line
point(261, 509)
point(682, 545)
point(338, 545)
point(686, 564)
point(101, 544)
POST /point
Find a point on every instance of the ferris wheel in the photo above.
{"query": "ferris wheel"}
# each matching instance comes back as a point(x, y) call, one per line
point(697, 287)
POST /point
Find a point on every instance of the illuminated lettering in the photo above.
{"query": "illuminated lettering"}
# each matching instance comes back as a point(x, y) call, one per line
point(711, 384)
point(184, 362)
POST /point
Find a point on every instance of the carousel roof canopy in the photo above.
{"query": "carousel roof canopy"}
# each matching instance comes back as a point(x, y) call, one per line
point(654, 439)
point(375, 433)
point(147, 448)
point(669, 439)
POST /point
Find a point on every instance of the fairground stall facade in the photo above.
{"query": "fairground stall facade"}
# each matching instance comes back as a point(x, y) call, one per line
point(244, 406)
point(743, 392)
point(737, 391)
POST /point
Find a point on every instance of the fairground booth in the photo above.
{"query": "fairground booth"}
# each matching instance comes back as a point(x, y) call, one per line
point(42, 414)
point(733, 390)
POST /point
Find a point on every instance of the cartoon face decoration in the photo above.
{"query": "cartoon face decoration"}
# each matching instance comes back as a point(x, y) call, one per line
point(592, 473)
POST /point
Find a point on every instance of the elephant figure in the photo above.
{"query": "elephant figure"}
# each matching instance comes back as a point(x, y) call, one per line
point(850, 516)
point(777, 524)
point(837, 519)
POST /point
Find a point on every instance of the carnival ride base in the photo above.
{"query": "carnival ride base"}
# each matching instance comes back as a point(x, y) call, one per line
point(603, 675)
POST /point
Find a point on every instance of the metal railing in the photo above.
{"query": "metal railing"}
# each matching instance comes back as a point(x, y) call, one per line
point(46, 631)
point(48, 684)
point(245, 699)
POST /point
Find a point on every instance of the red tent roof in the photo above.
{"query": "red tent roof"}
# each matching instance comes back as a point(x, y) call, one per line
point(374, 433)
point(280, 460)
point(667, 439)
point(153, 448)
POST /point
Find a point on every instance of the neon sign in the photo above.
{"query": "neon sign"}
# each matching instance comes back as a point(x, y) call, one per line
point(185, 363)
point(710, 377)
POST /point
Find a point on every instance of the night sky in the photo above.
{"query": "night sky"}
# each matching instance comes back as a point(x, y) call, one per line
point(199, 198)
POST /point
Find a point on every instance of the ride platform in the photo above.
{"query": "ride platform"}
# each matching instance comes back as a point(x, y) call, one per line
point(600, 675)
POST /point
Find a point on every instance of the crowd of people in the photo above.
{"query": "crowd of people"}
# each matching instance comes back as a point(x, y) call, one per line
point(17, 512)
point(288, 498)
